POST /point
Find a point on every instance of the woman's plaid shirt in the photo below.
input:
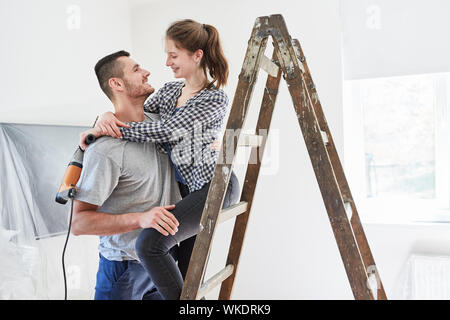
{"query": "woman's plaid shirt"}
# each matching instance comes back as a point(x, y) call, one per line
point(189, 131)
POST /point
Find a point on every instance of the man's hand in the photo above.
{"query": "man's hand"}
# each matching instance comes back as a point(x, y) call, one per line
point(160, 219)
point(109, 125)
point(95, 131)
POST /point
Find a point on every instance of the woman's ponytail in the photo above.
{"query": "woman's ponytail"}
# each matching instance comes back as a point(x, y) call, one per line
point(215, 60)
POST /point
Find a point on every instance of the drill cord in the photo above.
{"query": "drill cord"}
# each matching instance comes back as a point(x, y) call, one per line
point(64, 250)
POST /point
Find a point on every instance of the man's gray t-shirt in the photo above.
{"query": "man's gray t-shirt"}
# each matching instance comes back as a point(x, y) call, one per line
point(121, 176)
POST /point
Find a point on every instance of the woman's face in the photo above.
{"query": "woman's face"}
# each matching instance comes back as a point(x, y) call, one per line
point(182, 62)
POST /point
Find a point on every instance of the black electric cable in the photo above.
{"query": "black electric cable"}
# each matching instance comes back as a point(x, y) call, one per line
point(62, 200)
point(64, 250)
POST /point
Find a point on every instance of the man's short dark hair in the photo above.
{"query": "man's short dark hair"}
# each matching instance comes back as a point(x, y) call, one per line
point(108, 67)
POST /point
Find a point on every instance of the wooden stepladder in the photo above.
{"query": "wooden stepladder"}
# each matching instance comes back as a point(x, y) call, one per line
point(287, 60)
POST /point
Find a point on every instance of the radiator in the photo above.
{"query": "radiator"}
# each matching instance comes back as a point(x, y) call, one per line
point(427, 278)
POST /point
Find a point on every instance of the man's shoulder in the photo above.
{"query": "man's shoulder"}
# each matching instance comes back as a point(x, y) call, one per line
point(106, 146)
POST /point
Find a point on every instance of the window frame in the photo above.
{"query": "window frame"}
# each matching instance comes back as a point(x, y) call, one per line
point(403, 210)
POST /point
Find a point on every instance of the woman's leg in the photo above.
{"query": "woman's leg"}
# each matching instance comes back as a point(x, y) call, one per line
point(186, 246)
point(153, 248)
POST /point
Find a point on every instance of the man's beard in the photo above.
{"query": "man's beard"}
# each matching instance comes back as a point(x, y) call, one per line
point(140, 91)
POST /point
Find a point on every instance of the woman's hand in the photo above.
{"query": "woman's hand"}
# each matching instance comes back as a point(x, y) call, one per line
point(109, 125)
point(215, 145)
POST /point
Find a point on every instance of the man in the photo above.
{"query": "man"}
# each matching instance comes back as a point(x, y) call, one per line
point(124, 187)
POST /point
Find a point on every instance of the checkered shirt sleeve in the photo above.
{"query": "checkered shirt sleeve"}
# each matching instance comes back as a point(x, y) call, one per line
point(153, 102)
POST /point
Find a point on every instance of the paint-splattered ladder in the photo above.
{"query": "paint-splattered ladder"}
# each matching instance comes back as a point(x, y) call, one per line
point(287, 59)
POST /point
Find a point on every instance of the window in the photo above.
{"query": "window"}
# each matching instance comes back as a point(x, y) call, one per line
point(397, 146)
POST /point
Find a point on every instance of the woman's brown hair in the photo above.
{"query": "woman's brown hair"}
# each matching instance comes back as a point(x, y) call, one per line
point(192, 36)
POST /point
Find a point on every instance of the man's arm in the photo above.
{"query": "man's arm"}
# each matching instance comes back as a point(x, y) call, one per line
point(87, 220)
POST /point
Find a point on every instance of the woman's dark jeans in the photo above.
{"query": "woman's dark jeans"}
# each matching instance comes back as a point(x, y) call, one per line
point(153, 247)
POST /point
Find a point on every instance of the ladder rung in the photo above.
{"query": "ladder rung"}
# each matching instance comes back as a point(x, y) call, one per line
point(269, 66)
point(215, 280)
point(232, 211)
point(250, 140)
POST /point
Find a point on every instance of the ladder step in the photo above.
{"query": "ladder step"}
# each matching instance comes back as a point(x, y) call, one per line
point(217, 279)
point(232, 211)
point(250, 140)
point(269, 66)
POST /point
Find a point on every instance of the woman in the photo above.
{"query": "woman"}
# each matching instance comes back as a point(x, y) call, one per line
point(192, 113)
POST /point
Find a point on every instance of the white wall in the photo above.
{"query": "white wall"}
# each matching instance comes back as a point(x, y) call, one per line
point(379, 34)
point(48, 52)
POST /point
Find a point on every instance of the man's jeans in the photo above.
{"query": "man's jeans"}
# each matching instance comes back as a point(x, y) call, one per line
point(153, 247)
point(125, 280)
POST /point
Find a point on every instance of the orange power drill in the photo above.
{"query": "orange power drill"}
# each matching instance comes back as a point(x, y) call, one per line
point(68, 186)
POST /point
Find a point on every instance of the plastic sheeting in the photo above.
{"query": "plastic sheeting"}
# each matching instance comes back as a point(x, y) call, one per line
point(19, 268)
point(33, 160)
